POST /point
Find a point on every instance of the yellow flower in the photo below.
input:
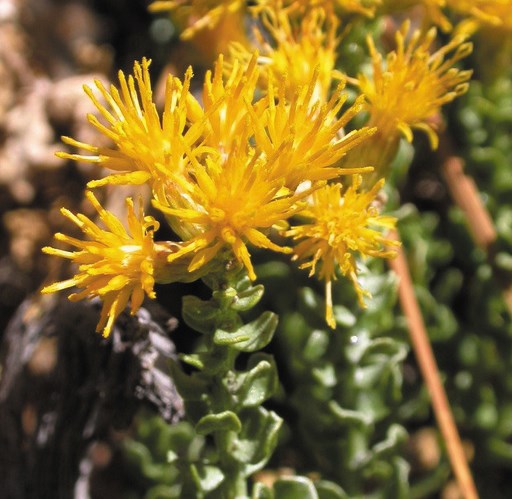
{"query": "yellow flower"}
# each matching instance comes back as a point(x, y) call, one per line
point(258, 153)
point(433, 10)
point(225, 102)
point(147, 146)
point(341, 225)
point(365, 7)
point(307, 140)
point(302, 141)
point(199, 14)
point(116, 265)
point(297, 50)
point(486, 13)
point(230, 201)
point(414, 84)
point(298, 7)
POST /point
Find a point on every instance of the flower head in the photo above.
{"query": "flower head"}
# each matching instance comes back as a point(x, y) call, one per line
point(198, 14)
point(364, 7)
point(146, 146)
point(432, 9)
point(296, 50)
point(116, 265)
point(230, 202)
point(226, 95)
point(306, 139)
point(485, 13)
point(340, 226)
point(414, 83)
point(299, 7)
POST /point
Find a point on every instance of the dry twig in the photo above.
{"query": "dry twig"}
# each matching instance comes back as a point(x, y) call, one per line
point(428, 366)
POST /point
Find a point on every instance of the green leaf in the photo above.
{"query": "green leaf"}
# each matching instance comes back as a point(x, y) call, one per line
point(295, 488)
point(251, 337)
point(348, 416)
point(140, 456)
point(206, 477)
point(329, 490)
point(163, 492)
point(212, 362)
point(224, 298)
point(223, 421)
point(261, 491)
point(325, 374)
point(198, 314)
point(396, 435)
point(193, 360)
point(257, 385)
point(247, 299)
point(222, 337)
point(312, 301)
point(172, 456)
point(189, 387)
point(258, 438)
point(343, 316)
point(317, 343)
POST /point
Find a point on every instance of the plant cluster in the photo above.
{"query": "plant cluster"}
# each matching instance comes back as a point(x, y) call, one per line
point(277, 162)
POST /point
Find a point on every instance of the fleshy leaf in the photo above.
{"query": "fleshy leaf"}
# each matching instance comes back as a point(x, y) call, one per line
point(258, 437)
point(248, 298)
point(261, 491)
point(257, 385)
point(193, 360)
point(223, 421)
point(329, 490)
point(206, 477)
point(198, 314)
point(251, 337)
point(190, 387)
point(294, 487)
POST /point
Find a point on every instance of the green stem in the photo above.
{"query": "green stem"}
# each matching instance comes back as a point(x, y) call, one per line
point(224, 400)
point(235, 482)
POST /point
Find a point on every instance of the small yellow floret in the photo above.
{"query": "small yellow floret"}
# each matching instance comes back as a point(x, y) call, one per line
point(306, 139)
point(146, 146)
point(230, 202)
point(115, 265)
point(486, 13)
point(226, 96)
point(341, 225)
point(299, 7)
point(432, 9)
point(414, 83)
point(295, 50)
point(199, 14)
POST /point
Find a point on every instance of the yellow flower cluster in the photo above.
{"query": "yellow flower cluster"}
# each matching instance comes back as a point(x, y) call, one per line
point(224, 171)
point(262, 147)
point(147, 146)
point(414, 83)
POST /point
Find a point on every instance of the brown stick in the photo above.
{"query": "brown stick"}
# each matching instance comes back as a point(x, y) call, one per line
point(428, 366)
point(466, 196)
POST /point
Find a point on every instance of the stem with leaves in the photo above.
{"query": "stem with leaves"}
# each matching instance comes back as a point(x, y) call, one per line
point(223, 402)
